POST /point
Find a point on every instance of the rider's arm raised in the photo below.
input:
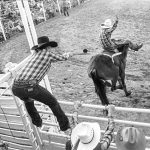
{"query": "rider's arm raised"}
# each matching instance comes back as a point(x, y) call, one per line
point(108, 135)
point(114, 26)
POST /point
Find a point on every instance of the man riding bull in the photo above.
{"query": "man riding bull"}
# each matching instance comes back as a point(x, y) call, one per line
point(111, 45)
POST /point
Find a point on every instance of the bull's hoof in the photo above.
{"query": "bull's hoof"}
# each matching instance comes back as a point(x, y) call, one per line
point(113, 88)
point(128, 93)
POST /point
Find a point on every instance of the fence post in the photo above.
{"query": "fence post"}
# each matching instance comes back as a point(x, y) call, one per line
point(27, 22)
point(70, 3)
point(43, 10)
point(58, 6)
point(2, 28)
point(78, 2)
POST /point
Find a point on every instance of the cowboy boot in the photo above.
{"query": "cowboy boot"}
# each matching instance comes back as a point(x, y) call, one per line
point(135, 47)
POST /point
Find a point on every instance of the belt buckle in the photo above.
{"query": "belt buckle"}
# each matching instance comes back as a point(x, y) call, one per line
point(30, 89)
point(32, 82)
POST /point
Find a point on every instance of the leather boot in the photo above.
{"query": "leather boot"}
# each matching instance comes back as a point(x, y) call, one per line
point(135, 47)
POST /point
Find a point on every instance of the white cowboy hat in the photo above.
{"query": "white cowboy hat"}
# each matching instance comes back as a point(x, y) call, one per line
point(107, 24)
point(130, 138)
point(88, 135)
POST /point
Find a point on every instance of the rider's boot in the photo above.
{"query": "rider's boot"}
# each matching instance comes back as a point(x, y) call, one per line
point(135, 47)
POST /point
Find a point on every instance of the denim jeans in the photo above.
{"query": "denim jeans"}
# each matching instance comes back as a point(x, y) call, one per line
point(42, 95)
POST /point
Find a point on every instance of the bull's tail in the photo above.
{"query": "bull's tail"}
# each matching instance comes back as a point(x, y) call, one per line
point(100, 87)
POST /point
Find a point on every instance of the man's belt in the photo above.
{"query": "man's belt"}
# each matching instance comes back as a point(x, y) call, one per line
point(23, 83)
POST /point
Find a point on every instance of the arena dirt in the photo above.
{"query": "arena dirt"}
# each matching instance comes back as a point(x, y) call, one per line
point(69, 79)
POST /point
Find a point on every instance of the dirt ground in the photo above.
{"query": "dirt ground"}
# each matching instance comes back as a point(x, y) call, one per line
point(69, 79)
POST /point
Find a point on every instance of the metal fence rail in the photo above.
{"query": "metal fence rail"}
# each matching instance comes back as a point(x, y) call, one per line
point(113, 145)
point(136, 110)
point(85, 117)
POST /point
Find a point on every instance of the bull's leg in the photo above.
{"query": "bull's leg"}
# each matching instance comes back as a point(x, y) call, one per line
point(127, 93)
point(114, 81)
point(122, 80)
point(120, 86)
point(115, 74)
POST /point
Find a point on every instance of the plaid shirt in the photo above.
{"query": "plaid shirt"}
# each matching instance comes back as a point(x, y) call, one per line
point(105, 38)
point(107, 138)
point(37, 67)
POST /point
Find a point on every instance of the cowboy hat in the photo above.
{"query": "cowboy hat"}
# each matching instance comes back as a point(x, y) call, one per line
point(130, 138)
point(87, 134)
point(107, 24)
point(44, 42)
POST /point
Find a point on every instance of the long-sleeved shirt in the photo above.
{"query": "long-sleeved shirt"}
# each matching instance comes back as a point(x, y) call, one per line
point(108, 136)
point(37, 67)
point(105, 38)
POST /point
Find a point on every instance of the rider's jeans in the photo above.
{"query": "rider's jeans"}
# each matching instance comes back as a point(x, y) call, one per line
point(37, 92)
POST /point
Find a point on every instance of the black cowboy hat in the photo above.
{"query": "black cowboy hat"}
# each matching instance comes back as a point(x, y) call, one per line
point(44, 42)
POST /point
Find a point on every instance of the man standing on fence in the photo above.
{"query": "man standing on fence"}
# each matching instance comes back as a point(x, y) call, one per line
point(65, 7)
point(26, 83)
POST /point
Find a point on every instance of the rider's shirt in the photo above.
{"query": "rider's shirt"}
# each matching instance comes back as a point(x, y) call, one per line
point(37, 67)
point(105, 38)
